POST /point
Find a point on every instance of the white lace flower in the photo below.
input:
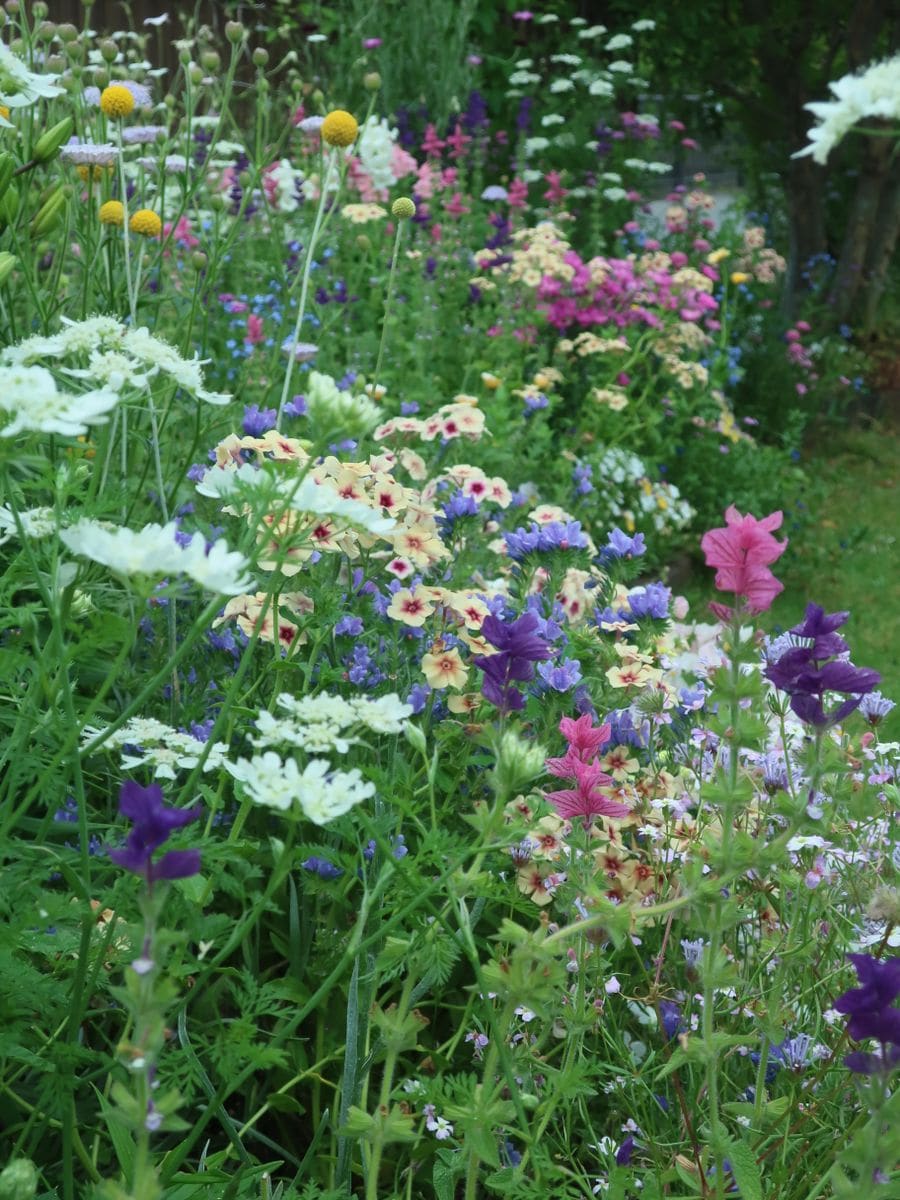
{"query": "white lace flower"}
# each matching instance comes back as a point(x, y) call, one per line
point(873, 92)
point(153, 551)
point(383, 714)
point(324, 795)
point(30, 397)
point(36, 523)
point(267, 780)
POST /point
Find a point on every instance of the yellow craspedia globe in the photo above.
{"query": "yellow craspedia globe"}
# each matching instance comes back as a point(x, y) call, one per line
point(403, 208)
point(146, 222)
point(339, 128)
point(112, 213)
point(116, 101)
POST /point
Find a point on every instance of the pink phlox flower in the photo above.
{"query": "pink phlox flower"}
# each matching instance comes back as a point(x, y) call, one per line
point(741, 553)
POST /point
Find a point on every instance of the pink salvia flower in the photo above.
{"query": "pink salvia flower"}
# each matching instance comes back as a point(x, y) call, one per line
point(255, 332)
point(555, 191)
point(585, 800)
point(457, 141)
point(431, 143)
point(583, 737)
point(741, 553)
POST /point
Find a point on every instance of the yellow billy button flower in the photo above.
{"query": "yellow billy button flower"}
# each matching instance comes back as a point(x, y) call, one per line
point(339, 128)
point(403, 208)
point(116, 101)
point(146, 222)
point(717, 256)
point(739, 277)
point(112, 213)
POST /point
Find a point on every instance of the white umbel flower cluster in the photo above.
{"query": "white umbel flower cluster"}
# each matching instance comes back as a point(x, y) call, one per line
point(123, 357)
point(873, 94)
point(322, 794)
point(153, 551)
point(320, 723)
point(154, 744)
point(31, 402)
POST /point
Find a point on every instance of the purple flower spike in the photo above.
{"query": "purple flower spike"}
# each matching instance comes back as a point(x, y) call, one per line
point(152, 824)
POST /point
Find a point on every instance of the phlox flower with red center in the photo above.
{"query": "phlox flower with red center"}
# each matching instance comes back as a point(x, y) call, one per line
point(741, 553)
point(411, 607)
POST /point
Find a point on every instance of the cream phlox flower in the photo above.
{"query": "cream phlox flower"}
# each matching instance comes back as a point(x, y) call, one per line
point(154, 551)
point(30, 397)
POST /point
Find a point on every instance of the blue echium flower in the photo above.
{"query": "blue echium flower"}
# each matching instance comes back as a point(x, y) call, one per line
point(322, 867)
point(620, 545)
point(258, 421)
point(817, 665)
point(456, 508)
point(152, 824)
point(544, 539)
point(873, 1013)
point(561, 676)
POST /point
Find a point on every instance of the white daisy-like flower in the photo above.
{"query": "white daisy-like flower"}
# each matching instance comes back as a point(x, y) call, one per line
point(153, 551)
point(33, 402)
point(20, 87)
point(86, 154)
point(143, 135)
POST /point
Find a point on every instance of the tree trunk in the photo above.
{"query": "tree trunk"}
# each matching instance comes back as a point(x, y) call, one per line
point(881, 249)
point(805, 186)
point(850, 278)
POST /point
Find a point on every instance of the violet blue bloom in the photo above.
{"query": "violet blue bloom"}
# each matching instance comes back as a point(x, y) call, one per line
point(520, 647)
point(625, 1151)
point(871, 1007)
point(807, 671)
point(258, 421)
point(152, 824)
point(561, 676)
point(620, 545)
point(322, 867)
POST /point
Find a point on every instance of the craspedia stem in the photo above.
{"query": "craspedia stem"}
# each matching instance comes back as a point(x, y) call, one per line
point(402, 209)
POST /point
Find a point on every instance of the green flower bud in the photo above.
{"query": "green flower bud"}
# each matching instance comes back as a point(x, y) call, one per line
point(7, 265)
point(372, 81)
point(260, 56)
point(48, 143)
point(403, 208)
point(18, 1180)
point(108, 50)
point(235, 32)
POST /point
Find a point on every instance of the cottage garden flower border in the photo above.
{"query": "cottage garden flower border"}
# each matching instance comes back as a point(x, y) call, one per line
point(432, 852)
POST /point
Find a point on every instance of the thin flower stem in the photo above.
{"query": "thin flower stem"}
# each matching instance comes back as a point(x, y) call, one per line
point(330, 162)
point(387, 303)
